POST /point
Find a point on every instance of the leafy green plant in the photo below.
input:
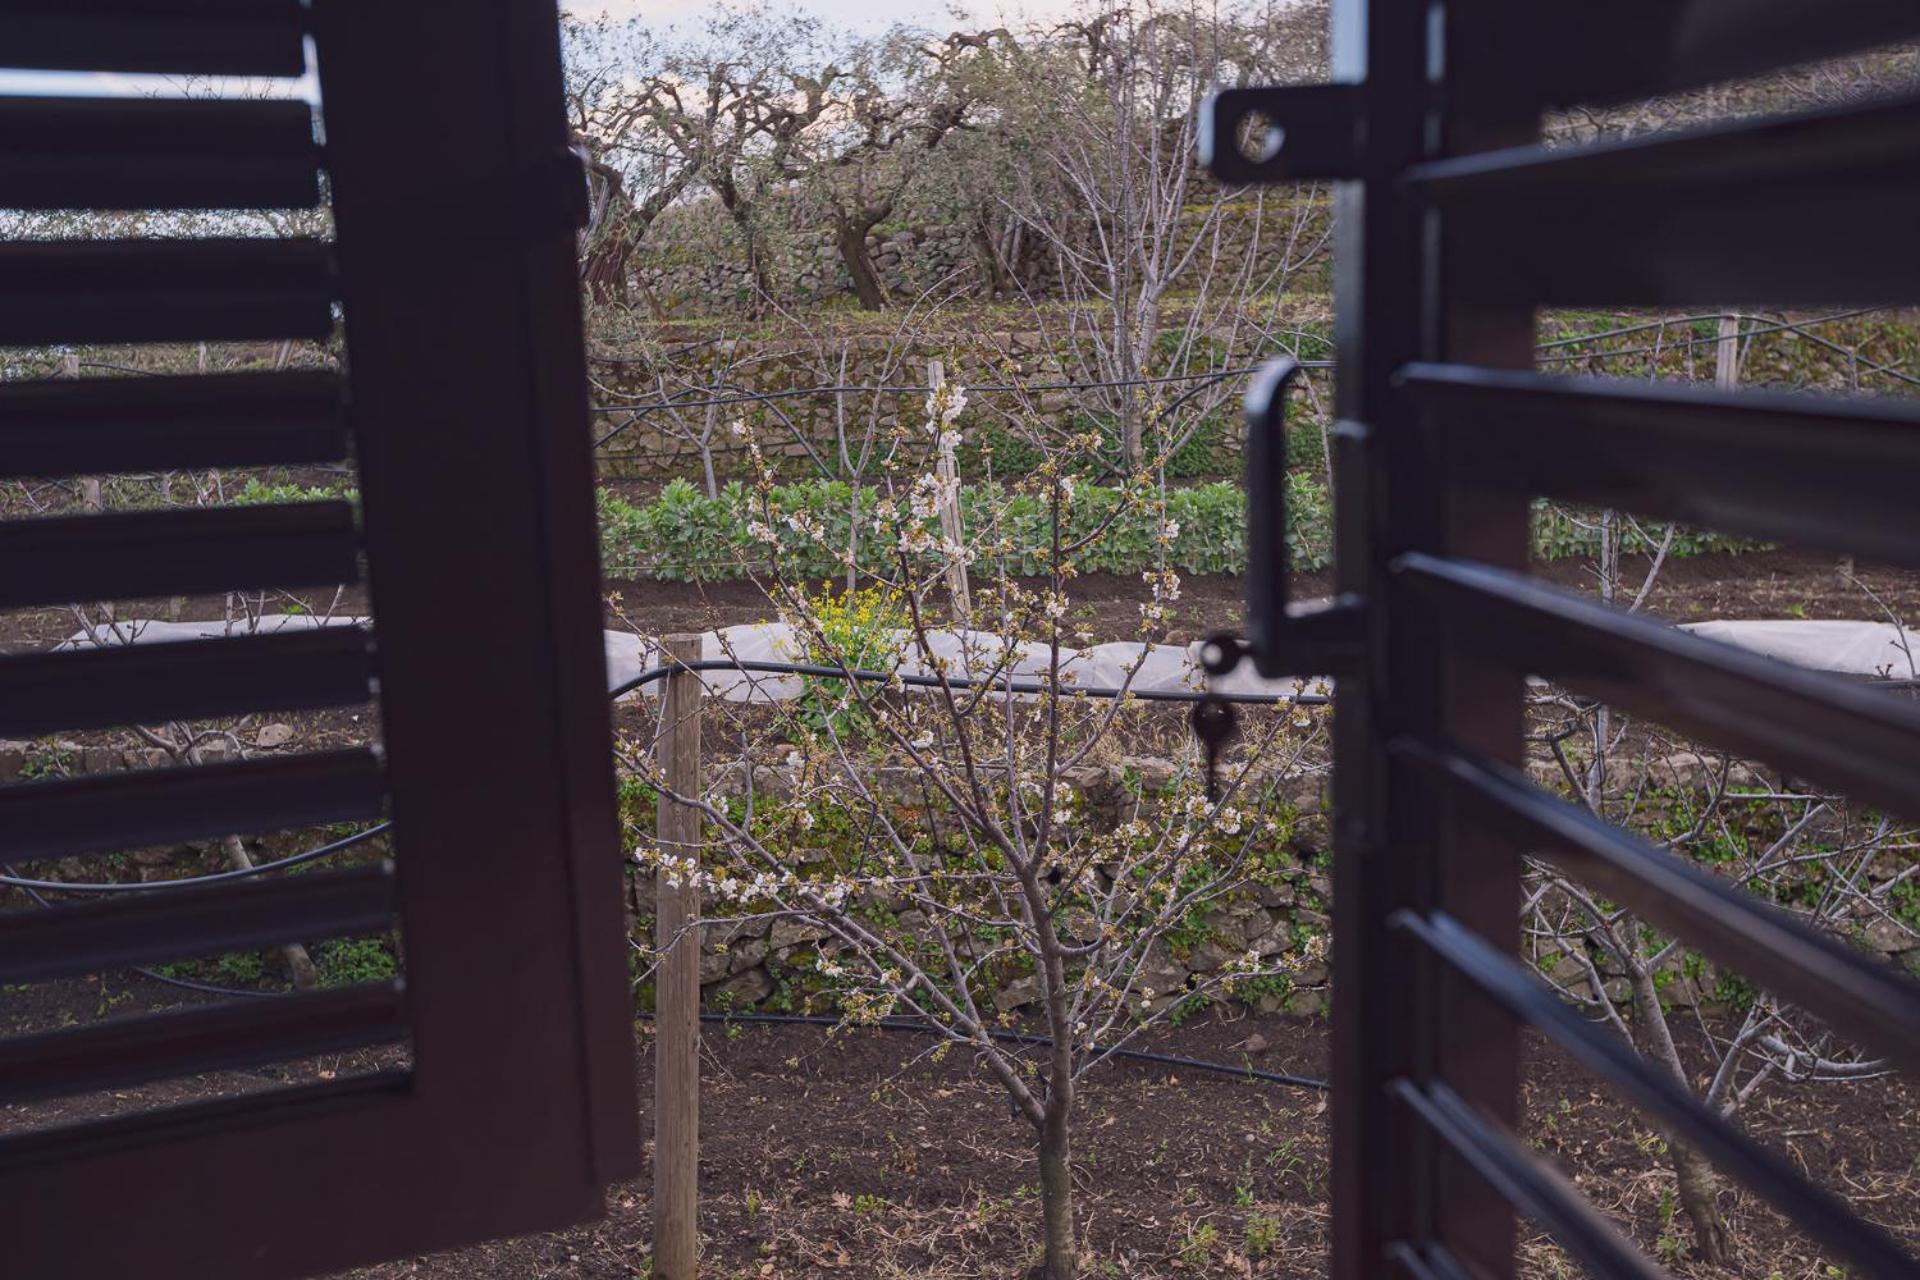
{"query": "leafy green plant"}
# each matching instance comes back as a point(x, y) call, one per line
point(1262, 1235)
point(686, 536)
point(344, 962)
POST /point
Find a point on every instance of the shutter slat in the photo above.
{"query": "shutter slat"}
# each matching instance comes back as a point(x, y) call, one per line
point(223, 1037)
point(61, 559)
point(36, 945)
point(183, 680)
point(1864, 999)
point(1824, 471)
point(55, 291)
point(1527, 1182)
point(156, 153)
point(148, 807)
point(1629, 49)
point(1696, 218)
point(1818, 1211)
point(94, 426)
point(181, 37)
point(1815, 725)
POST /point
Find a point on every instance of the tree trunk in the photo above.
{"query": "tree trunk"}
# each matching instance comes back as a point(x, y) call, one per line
point(605, 275)
point(999, 275)
point(1056, 1194)
point(851, 238)
point(1694, 1178)
point(299, 963)
point(1698, 1196)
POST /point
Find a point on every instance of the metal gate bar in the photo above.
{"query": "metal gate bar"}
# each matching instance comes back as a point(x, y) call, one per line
point(1453, 224)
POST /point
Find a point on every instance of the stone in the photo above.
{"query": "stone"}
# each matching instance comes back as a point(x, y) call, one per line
point(1889, 937)
point(1077, 924)
point(1150, 773)
point(1567, 970)
point(1277, 940)
point(791, 931)
point(1017, 994)
point(13, 760)
point(1160, 982)
point(1305, 792)
point(273, 735)
point(748, 987)
point(1315, 921)
point(748, 954)
point(1238, 924)
point(1275, 895)
point(1256, 1044)
point(1305, 1004)
point(1210, 956)
point(1680, 993)
point(1311, 974)
point(713, 966)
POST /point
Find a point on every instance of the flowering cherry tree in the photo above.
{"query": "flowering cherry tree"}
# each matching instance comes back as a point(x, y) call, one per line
point(940, 838)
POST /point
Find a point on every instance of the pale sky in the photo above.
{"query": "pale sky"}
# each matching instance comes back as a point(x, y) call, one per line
point(865, 16)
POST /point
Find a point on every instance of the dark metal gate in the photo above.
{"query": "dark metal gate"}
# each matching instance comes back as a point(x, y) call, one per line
point(1454, 223)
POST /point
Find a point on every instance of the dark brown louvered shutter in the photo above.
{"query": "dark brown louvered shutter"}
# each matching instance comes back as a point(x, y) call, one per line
point(463, 407)
point(1456, 222)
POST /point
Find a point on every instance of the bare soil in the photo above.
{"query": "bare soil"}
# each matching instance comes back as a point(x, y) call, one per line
point(1760, 584)
point(860, 1154)
point(1757, 584)
point(829, 1154)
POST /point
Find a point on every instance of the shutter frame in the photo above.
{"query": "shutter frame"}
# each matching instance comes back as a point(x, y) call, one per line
point(466, 396)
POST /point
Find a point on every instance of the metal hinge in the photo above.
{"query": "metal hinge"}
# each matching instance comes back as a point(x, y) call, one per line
point(1282, 134)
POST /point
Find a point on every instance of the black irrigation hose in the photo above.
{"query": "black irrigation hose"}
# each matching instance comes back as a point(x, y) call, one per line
point(188, 882)
point(782, 668)
point(1020, 1037)
point(188, 984)
point(958, 682)
point(647, 677)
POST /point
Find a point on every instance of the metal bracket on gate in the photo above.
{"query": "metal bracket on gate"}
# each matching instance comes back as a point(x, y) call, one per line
point(1283, 639)
point(1304, 131)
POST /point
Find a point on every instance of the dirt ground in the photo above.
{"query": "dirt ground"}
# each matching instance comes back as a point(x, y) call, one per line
point(1759, 584)
point(1762, 584)
point(860, 1154)
point(855, 1155)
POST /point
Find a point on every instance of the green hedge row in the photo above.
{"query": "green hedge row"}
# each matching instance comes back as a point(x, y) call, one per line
point(685, 536)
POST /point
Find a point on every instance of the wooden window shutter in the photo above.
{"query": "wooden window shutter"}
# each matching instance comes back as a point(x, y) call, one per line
point(442, 145)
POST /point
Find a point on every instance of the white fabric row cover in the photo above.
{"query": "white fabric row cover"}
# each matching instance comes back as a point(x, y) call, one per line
point(966, 654)
point(1878, 650)
point(1868, 649)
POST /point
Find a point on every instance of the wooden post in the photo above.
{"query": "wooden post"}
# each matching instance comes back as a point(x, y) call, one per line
point(676, 1048)
point(1726, 354)
point(947, 468)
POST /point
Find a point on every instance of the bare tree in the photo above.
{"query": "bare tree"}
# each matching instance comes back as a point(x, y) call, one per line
point(1161, 266)
point(974, 880)
point(900, 100)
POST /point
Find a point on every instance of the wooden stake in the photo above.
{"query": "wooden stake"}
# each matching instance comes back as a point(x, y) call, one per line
point(951, 527)
point(676, 1077)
